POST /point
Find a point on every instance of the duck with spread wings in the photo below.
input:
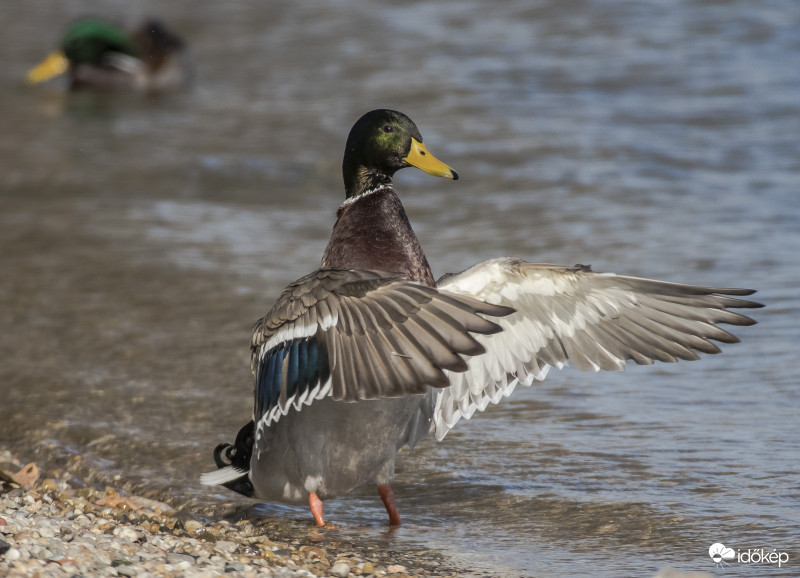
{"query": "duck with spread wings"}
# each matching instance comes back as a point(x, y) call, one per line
point(369, 353)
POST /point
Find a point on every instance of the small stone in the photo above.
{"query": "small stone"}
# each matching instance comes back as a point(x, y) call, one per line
point(13, 554)
point(312, 552)
point(126, 533)
point(192, 526)
point(340, 570)
point(368, 568)
point(49, 484)
point(205, 535)
point(160, 507)
point(226, 546)
point(177, 558)
point(102, 558)
point(395, 569)
point(4, 547)
point(41, 553)
point(126, 570)
point(27, 476)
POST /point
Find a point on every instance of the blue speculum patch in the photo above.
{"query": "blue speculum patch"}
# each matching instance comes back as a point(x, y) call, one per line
point(306, 364)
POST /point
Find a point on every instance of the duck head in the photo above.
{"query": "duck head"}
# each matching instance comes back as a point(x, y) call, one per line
point(88, 42)
point(380, 143)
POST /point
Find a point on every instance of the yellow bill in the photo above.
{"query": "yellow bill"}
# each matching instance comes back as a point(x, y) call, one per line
point(419, 157)
point(55, 64)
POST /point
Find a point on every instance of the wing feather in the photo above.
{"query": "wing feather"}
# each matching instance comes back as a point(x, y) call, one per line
point(571, 315)
point(353, 334)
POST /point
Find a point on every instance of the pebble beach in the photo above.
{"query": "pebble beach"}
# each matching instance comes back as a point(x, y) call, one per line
point(53, 524)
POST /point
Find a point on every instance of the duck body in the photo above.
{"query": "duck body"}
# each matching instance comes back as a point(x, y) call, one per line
point(321, 449)
point(101, 56)
point(369, 353)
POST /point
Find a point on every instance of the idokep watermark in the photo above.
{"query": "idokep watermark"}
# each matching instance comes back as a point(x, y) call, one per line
point(722, 555)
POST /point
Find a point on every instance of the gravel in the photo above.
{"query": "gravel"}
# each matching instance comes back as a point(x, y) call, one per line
point(53, 527)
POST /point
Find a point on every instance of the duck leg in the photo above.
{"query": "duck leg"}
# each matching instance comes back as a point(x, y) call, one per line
point(316, 508)
point(387, 495)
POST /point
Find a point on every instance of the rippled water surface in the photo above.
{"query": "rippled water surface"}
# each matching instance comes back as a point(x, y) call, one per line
point(141, 237)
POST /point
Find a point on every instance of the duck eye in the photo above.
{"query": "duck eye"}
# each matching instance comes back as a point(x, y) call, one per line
point(388, 128)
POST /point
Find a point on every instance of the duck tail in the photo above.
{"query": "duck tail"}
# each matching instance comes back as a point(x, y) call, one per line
point(222, 476)
point(234, 466)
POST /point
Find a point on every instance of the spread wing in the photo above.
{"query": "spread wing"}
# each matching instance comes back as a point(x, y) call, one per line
point(572, 315)
point(352, 335)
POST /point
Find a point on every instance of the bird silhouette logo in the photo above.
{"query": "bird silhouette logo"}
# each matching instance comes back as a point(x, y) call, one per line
point(720, 554)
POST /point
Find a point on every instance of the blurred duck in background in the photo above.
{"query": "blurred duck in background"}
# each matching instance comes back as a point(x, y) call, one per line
point(98, 55)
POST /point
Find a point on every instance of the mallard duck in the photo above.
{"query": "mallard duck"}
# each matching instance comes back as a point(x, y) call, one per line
point(103, 56)
point(369, 353)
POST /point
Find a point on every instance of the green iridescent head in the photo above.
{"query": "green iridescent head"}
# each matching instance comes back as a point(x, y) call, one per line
point(380, 143)
point(87, 41)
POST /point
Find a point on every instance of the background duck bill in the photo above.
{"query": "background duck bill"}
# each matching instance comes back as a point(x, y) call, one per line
point(55, 64)
point(419, 157)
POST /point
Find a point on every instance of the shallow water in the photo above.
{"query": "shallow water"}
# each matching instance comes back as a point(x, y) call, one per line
point(141, 237)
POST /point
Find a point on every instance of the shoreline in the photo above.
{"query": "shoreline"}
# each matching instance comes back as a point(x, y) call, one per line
point(54, 524)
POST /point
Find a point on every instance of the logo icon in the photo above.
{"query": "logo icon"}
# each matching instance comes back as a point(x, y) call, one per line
point(720, 554)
